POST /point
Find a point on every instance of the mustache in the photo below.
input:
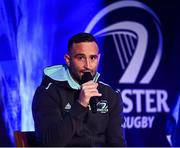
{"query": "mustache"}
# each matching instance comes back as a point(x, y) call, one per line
point(87, 70)
point(91, 71)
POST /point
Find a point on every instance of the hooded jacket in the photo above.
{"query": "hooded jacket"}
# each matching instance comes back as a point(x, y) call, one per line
point(61, 121)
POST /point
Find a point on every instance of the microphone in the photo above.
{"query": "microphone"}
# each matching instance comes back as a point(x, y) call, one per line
point(93, 100)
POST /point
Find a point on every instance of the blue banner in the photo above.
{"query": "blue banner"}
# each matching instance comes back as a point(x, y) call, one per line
point(139, 45)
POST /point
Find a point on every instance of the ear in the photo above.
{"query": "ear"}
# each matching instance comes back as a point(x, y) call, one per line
point(99, 55)
point(67, 59)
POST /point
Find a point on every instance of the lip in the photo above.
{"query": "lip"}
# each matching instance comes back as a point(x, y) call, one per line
point(82, 72)
point(86, 71)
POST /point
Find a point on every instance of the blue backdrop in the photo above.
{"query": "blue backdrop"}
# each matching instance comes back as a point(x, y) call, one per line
point(139, 38)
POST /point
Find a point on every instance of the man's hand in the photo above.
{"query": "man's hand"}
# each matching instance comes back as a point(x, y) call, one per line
point(88, 90)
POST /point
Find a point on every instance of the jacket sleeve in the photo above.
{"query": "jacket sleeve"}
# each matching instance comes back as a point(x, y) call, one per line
point(115, 131)
point(53, 128)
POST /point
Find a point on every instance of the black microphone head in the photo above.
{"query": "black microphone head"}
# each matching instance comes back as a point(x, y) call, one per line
point(86, 77)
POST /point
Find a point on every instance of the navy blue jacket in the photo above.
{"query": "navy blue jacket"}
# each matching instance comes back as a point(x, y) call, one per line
point(61, 121)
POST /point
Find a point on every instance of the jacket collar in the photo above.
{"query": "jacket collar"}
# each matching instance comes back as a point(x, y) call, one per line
point(61, 73)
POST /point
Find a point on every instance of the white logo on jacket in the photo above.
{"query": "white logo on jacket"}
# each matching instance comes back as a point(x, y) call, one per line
point(102, 106)
point(68, 106)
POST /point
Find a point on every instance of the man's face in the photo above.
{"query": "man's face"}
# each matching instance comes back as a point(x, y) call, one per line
point(82, 57)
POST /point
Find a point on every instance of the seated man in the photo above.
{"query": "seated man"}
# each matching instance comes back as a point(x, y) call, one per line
point(69, 111)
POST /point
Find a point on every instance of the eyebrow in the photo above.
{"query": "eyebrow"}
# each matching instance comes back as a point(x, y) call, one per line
point(81, 54)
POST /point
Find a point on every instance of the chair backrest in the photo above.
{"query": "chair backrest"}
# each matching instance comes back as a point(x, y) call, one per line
point(25, 139)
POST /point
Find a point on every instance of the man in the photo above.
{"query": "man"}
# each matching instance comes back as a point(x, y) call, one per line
point(61, 110)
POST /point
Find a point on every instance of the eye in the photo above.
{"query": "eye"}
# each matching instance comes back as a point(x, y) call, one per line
point(80, 57)
point(94, 57)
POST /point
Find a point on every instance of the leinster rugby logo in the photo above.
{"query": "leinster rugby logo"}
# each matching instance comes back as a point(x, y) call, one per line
point(102, 106)
point(132, 50)
point(131, 36)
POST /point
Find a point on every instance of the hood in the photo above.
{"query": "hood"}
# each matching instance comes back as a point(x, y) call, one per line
point(61, 73)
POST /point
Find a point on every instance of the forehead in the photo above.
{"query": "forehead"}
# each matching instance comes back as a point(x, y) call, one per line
point(84, 48)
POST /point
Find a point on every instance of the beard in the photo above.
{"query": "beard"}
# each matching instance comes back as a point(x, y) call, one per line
point(77, 76)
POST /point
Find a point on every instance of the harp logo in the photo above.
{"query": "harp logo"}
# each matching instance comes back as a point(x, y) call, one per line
point(131, 38)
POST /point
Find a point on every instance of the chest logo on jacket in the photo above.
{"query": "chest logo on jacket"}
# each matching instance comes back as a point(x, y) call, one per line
point(102, 106)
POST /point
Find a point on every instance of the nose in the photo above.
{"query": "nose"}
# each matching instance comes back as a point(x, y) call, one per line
point(87, 64)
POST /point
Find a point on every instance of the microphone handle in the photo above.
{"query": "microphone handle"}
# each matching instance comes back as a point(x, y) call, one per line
point(93, 100)
point(93, 104)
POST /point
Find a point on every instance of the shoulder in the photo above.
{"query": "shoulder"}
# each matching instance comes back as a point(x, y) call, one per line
point(45, 95)
point(44, 91)
point(47, 89)
point(108, 91)
point(106, 86)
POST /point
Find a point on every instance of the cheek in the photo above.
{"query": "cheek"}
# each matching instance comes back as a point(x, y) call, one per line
point(75, 65)
point(95, 65)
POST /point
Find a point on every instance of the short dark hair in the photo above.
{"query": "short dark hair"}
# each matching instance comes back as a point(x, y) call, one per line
point(81, 37)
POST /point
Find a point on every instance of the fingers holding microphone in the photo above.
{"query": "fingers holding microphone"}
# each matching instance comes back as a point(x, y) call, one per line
point(88, 90)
